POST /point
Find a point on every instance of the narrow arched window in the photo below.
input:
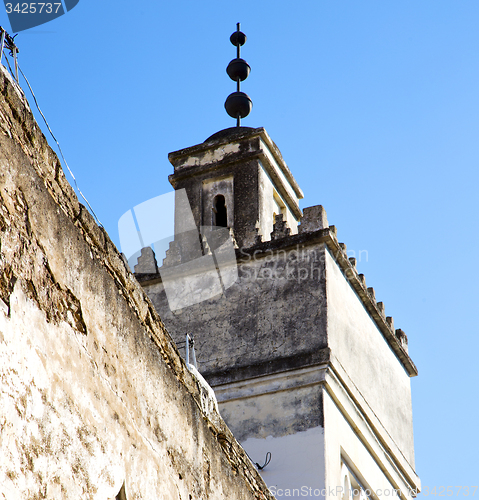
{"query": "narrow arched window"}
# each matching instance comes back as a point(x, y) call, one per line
point(220, 217)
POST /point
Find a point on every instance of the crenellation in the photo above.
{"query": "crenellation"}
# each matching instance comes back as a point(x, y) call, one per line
point(390, 322)
point(372, 293)
point(382, 309)
point(173, 255)
point(233, 238)
point(314, 218)
point(146, 262)
point(352, 260)
point(402, 337)
point(205, 245)
point(280, 228)
point(362, 279)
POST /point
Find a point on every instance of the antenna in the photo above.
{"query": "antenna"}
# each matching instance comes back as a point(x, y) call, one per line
point(238, 104)
point(8, 42)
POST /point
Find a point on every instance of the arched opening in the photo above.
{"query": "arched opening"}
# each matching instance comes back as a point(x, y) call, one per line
point(220, 217)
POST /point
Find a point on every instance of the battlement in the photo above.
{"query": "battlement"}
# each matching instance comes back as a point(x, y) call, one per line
point(313, 230)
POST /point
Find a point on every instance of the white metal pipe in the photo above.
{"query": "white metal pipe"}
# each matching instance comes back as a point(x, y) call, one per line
point(2, 43)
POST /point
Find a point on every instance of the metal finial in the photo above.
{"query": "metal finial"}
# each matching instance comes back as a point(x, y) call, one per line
point(238, 104)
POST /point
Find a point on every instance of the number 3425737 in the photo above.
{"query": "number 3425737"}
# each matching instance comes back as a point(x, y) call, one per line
point(33, 8)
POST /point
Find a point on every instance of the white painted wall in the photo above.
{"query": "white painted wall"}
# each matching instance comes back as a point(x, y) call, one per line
point(297, 462)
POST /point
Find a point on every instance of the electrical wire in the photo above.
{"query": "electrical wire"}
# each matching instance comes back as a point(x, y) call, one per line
point(9, 67)
point(58, 144)
point(267, 460)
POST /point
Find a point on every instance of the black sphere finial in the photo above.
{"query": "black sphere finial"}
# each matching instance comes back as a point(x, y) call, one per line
point(238, 104)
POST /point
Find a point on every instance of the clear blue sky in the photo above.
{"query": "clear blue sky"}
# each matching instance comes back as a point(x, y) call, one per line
point(375, 107)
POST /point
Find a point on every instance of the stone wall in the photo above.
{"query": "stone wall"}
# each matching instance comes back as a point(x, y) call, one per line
point(95, 400)
point(272, 318)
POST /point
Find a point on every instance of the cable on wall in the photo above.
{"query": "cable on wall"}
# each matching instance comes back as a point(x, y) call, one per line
point(59, 147)
point(267, 460)
point(8, 42)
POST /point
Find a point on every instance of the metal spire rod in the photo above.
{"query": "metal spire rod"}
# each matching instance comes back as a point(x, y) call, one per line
point(238, 45)
point(238, 104)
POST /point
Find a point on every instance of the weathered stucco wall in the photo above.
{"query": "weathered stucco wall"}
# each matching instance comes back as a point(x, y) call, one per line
point(281, 415)
point(276, 406)
point(275, 311)
point(93, 394)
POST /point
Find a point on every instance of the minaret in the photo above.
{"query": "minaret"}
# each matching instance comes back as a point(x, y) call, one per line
point(307, 368)
point(237, 178)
